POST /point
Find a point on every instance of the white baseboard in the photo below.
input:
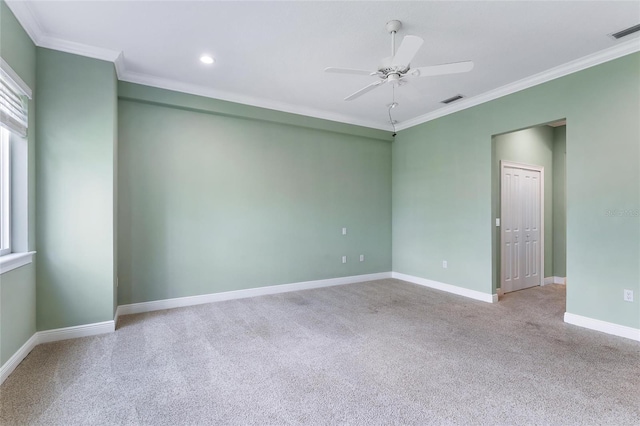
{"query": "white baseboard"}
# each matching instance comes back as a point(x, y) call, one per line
point(109, 326)
point(603, 326)
point(54, 335)
point(8, 367)
point(460, 291)
point(157, 305)
point(555, 280)
point(76, 331)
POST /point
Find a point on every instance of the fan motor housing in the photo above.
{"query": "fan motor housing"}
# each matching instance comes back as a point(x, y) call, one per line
point(387, 68)
point(393, 70)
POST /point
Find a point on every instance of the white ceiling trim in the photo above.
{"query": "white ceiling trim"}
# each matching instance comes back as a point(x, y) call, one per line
point(119, 64)
point(78, 48)
point(178, 86)
point(25, 16)
point(622, 49)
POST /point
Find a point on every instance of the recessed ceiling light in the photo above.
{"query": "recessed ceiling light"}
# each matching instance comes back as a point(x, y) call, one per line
point(206, 59)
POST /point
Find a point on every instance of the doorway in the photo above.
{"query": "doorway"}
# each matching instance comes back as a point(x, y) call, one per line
point(533, 253)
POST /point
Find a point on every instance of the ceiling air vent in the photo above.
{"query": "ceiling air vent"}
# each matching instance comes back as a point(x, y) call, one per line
point(452, 99)
point(626, 32)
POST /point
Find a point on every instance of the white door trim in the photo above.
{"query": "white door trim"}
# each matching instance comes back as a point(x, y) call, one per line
point(523, 166)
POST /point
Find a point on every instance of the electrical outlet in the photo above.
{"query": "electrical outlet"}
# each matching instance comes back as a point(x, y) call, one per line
point(362, 258)
point(628, 295)
point(344, 259)
point(444, 264)
point(344, 231)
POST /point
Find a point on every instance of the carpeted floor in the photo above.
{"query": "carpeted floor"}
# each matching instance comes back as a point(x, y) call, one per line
point(382, 352)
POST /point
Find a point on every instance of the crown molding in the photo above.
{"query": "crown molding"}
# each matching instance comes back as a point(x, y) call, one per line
point(119, 64)
point(24, 14)
point(79, 48)
point(193, 89)
point(580, 64)
point(27, 18)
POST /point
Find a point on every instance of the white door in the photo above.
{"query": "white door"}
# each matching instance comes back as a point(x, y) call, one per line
point(522, 211)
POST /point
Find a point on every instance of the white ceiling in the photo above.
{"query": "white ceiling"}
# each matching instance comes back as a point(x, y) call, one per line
point(273, 54)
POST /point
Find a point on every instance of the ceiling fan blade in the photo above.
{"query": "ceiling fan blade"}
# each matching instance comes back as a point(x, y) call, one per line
point(454, 68)
point(364, 90)
point(348, 71)
point(407, 50)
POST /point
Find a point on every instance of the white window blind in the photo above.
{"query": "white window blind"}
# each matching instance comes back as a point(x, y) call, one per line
point(5, 197)
point(13, 102)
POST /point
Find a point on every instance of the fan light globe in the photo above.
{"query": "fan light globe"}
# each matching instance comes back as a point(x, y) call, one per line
point(206, 59)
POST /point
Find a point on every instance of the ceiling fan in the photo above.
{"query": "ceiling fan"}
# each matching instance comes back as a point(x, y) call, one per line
point(397, 68)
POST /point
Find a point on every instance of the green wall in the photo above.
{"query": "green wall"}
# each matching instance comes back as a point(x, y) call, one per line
point(17, 287)
point(559, 202)
point(533, 146)
point(211, 202)
point(75, 190)
point(231, 109)
point(442, 188)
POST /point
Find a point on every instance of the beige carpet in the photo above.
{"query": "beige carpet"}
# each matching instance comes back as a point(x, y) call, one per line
point(383, 352)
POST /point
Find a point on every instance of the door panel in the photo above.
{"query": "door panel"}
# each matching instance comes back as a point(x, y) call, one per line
point(521, 200)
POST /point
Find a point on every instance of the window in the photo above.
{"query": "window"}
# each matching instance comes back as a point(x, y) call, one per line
point(14, 232)
point(5, 193)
